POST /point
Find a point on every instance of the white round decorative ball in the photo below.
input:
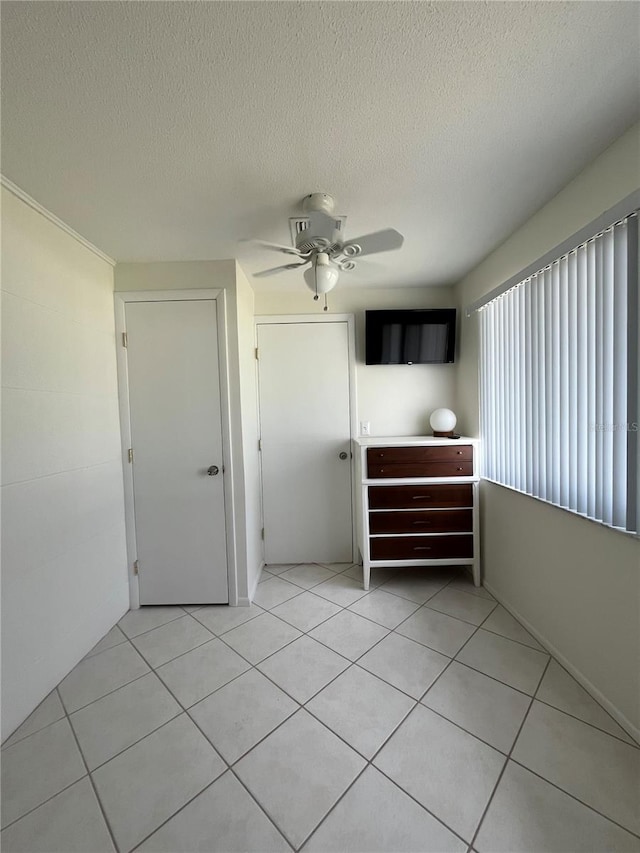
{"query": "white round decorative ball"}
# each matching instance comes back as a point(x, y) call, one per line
point(442, 420)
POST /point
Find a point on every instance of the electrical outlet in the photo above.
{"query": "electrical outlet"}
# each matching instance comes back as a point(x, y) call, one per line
point(365, 428)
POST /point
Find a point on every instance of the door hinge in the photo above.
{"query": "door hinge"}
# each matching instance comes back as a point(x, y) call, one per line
point(259, 444)
point(262, 533)
point(130, 454)
point(136, 567)
point(256, 352)
point(125, 340)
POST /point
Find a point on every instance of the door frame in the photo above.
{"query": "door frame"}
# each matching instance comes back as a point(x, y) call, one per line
point(349, 319)
point(121, 298)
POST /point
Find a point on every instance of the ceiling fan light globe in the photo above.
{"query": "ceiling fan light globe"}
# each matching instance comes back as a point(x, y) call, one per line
point(321, 277)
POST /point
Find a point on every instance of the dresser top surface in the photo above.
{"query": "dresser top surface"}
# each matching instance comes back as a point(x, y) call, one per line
point(410, 440)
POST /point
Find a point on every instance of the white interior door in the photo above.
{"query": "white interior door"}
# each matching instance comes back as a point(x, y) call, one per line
point(305, 422)
point(174, 400)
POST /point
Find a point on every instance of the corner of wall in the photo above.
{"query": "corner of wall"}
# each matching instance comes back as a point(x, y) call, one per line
point(64, 581)
point(575, 582)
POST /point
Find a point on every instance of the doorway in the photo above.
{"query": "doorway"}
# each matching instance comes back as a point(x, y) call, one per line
point(176, 461)
point(306, 390)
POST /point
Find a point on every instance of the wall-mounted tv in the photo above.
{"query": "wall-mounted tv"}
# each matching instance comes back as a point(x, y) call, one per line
point(421, 336)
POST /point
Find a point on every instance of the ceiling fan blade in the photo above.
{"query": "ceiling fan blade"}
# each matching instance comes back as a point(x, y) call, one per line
point(379, 241)
point(279, 247)
point(273, 270)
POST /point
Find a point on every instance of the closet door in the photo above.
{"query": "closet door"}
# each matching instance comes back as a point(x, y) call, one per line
point(305, 421)
point(174, 400)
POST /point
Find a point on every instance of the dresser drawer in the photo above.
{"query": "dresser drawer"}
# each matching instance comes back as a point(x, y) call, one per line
point(400, 470)
point(439, 453)
point(421, 547)
point(419, 497)
point(422, 521)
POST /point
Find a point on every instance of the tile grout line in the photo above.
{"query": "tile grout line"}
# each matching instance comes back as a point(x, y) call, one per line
point(506, 763)
point(415, 701)
point(185, 615)
point(574, 797)
point(214, 636)
point(420, 702)
point(566, 671)
point(219, 637)
point(350, 663)
point(466, 621)
point(148, 630)
point(133, 743)
point(250, 619)
point(93, 701)
point(228, 766)
point(92, 654)
point(44, 802)
point(302, 707)
point(353, 663)
point(369, 763)
point(181, 705)
point(177, 657)
point(259, 804)
point(551, 658)
point(182, 807)
point(91, 780)
point(633, 745)
point(458, 726)
point(555, 785)
point(540, 648)
point(82, 707)
point(7, 745)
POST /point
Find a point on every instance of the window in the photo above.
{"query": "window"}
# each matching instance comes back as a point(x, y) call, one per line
point(559, 379)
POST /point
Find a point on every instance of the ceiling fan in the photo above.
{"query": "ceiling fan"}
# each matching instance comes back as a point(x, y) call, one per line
point(318, 240)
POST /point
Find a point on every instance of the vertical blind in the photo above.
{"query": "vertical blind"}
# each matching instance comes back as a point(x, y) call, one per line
point(559, 381)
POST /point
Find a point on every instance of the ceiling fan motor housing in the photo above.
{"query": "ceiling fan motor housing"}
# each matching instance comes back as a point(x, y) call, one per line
point(319, 229)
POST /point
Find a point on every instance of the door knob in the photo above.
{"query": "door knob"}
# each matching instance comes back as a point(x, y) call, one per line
point(342, 455)
point(212, 470)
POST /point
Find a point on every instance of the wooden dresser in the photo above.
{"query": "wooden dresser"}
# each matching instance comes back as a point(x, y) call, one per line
point(419, 502)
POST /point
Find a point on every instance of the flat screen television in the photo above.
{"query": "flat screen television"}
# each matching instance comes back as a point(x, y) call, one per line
point(421, 336)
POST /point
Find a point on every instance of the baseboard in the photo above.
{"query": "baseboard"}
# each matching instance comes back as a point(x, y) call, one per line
point(591, 689)
point(245, 602)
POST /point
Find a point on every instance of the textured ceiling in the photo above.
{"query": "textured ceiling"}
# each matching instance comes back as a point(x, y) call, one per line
point(170, 130)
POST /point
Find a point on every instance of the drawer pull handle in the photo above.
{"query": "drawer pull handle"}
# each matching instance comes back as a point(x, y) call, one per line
point(421, 522)
point(459, 452)
point(421, 497)
point(422, 547)
point(460, 469)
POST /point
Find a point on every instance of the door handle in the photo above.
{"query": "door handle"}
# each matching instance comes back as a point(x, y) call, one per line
point(212, 470)
point(342, 455)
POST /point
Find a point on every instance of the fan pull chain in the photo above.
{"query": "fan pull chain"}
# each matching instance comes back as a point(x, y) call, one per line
point(325, 302)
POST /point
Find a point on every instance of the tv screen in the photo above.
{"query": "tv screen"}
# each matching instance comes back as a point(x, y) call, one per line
point(421, 336)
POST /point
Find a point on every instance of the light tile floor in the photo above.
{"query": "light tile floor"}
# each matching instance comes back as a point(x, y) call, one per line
point(418, 717)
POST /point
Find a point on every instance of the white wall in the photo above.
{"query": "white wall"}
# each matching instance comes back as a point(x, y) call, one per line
point(215, 275)
point(64, 578)
point(576, 582)
point(396, 399)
